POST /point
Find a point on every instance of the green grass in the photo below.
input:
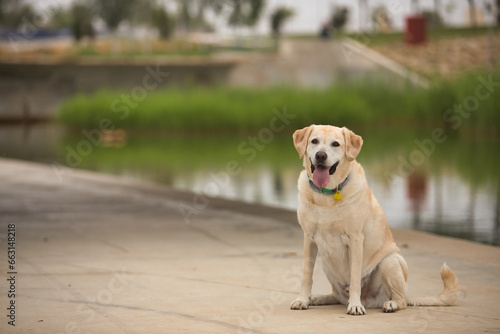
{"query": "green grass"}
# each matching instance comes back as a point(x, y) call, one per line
point(132, 54)
point(372, 38)
point(236, 110)
point(433, 34)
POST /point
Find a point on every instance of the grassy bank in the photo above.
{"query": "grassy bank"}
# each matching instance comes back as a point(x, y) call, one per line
point(240, 109)
point(372, 38)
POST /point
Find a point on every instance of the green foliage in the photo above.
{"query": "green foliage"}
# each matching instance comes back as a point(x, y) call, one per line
point(232, 109)
point(433, 19)
point(340, 17)
point(60, 18)
point(82, 15)
point(279, 17)
point(16, 13)
point(191, 13)
point(245, 12)
point(163, 21)
point(257, 6)
point(113, 12)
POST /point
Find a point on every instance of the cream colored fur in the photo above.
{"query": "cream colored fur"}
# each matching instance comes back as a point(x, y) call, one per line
point(360, 258)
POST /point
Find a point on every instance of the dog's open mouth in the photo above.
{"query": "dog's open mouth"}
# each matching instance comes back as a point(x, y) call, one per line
point(321, 174)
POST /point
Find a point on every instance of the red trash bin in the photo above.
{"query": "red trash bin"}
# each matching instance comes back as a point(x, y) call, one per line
point(415, 30)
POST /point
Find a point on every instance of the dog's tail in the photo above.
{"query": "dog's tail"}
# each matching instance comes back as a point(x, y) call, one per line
point(449, 296)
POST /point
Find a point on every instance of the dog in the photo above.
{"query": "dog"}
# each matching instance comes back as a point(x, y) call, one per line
point(343, 221)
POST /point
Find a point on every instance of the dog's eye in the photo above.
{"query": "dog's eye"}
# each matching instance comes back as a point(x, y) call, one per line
point(335, 144)
point(314, 141)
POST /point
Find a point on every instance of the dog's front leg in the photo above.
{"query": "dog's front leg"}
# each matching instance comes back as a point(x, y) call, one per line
point(354, 306)
point(310, 253)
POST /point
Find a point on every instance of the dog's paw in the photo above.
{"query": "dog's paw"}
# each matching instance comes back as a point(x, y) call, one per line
point(299, 304)
point(355, 309)
point(390, 306)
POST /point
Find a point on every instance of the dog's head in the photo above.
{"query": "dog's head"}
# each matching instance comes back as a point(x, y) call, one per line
point(324, 149)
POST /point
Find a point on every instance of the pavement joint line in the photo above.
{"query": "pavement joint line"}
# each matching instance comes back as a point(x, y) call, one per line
point(170, 313)
point(429, 308)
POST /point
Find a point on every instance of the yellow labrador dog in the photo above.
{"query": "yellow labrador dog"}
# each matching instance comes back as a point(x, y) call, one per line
point(342, 219)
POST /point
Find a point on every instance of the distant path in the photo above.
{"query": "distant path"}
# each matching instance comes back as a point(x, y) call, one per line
point(314, 63)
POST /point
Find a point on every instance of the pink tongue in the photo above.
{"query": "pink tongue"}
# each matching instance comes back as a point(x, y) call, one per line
point(321, 176)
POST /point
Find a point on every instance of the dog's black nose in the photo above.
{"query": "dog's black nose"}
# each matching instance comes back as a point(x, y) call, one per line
point(321, 156)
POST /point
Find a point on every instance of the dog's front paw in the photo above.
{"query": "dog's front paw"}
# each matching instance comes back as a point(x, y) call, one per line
point(299, 304)
point(355, 309)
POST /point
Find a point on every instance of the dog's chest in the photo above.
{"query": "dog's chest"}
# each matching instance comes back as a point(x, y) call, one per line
point(332, 245)
point(334, 251)
point(331, 235)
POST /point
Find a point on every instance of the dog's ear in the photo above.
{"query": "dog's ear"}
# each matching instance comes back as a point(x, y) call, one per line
point(301, 138)
point(353, 144)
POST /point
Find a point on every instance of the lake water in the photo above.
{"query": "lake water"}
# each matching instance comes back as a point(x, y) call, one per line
point(449, 188)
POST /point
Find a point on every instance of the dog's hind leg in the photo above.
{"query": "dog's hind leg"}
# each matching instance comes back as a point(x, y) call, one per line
point(395, 274)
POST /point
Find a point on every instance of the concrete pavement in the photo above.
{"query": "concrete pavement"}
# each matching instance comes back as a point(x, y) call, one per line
point(101, 254)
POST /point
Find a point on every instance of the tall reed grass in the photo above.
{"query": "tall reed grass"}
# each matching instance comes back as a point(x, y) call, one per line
point(239, 109)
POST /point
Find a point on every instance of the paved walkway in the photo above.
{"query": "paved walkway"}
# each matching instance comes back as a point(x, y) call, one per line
point(99, 254)
point(320, 64)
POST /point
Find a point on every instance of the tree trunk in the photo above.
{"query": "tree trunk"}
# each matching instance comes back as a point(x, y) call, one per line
point(498, 12)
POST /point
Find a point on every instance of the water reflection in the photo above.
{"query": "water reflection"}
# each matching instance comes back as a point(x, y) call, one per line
point(451, 194)
point(416, 194)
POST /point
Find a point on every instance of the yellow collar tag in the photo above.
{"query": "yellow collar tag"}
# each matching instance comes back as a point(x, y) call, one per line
point(337, 195)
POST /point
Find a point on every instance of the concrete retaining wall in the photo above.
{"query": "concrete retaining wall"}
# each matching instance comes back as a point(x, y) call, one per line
point(34, 91)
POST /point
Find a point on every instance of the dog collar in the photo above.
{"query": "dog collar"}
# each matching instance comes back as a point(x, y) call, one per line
point(335, 191)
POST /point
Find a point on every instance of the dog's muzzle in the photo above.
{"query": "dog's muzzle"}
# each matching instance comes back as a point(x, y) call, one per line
point(332, 170)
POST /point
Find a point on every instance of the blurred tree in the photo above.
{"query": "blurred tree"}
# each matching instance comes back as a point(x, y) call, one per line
point(433, 19)
point(82, 15)
point(184, 16)
point(143, 11)
point(163, 21)
point(340, 16)
point(257, 7)
point(61, 18)
point(191, 13)
point(153, 13)
point(498, 12)
point(237, 17)
point(16, 13)
point(278, 19)
point(113, 12)
point(245, 12)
